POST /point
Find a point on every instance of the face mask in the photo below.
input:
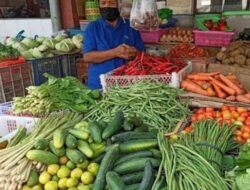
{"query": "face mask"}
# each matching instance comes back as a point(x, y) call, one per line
point(109, 14)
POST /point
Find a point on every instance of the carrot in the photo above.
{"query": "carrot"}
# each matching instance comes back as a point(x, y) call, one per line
point(192, 87)
point(203, 84)
point(227, 89)
point(232, 77)
point(217, 77)
point(231, 98)
point(209, 74)
point(198, 77)
point(242, 98)
point(219, 91)
point(247, 95)
point(231, 84)
point(210, 91)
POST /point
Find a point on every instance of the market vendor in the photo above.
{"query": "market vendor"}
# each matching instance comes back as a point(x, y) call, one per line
point(109, 42)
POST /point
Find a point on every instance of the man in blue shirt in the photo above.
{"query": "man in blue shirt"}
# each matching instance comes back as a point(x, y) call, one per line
point(109, 42)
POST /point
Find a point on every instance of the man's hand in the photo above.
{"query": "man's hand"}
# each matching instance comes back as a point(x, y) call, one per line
point(124, 51)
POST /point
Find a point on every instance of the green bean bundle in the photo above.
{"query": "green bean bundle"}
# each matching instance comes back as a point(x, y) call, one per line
point(153, 102)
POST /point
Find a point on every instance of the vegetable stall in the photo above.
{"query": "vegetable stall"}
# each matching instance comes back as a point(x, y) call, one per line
point(175, 121)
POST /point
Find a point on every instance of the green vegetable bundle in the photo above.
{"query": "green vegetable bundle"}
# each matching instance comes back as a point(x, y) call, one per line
point(154, 103)
point(56, 94)
point(7, 52)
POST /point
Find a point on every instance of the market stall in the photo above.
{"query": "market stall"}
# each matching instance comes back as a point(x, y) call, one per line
point(176, 117)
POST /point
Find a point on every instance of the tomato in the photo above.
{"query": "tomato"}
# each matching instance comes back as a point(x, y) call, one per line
point(218, 114)
point(238, 132)
point(194, 118)
point(247, 122)
point(246, 129)
point(235, 114)
point(201, 110)
point(246, 135)
point(209, 109)
point(241, 109)
point(244, 114)
point(228, 121)
point(189, 129)
point(200, 117)
point(232, 120)
point(232, 108)
point(226, 114)
point(209, 115)
point(224, 108)
point(240, 139)
point(242, 119)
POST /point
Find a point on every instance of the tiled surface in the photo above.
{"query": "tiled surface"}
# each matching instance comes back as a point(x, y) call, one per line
point(32, 27)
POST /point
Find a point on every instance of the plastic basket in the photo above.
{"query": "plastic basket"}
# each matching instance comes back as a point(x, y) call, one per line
point(84, 24)
point(14, 80)
point(239, 20)
point(69, 64)
point(74, 31)
point(212, 38)
point(50, 65)
point(152, 36)
point(5, 108)
point(174, 79)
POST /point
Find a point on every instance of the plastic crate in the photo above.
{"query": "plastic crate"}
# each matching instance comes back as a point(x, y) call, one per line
point(74, 31)
point(5, 108)
point(174, 79)
point(14, 80)
point(152, 36)
point(69, 64)
point(51, 65)
point(213, 38)
point(84, 24)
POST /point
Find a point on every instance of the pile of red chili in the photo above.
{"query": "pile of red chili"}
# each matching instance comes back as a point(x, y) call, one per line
point(185, 50)
point(145, 64)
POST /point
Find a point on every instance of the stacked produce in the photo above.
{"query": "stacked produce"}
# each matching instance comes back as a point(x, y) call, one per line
point(45, 47)
point(7, 52)
point(14, 166)
point(220, 25)
point(178, 35)
point(144, 64)
point(236, 116)
point(152, 102)
point(237, 53)
point(56, 94)
point(184, 50)
point(216, 85)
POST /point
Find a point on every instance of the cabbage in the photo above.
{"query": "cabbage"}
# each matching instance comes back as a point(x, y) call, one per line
point(37, 54)
point(42, 47)
point(20, 46)
point(60, 37)
point(41, 39)
point(49, 43)
point(77, 40)
point(69, 42)
point(64, 47)
point(10, 41)
point(29, 42)
point(49, 55)
point(27, 54)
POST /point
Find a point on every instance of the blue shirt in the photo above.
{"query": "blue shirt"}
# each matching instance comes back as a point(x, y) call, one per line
point(102, 36)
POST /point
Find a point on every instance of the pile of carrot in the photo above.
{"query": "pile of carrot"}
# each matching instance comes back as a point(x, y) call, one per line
point(217, 85)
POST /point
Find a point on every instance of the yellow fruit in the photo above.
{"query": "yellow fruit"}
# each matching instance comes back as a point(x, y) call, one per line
point(87, 178)
point(51, 185)
point(84, 187)
point(83, 165)
point(63, 160)
point(63, 172)
point(37, 187)
point(26, 187)
point(52, 169)
point(76, 173)
point(62, 183)
point(72, 182)
point(44, 177)
point(93, 168)
point(72, 188)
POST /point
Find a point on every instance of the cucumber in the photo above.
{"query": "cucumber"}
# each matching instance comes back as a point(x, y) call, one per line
point(114, 126)
point(47, 158)
point(79, 133)
point(71, 141)
point(85, 148)
point(33, 179)
point(160, 184)
point(41, 144)
point(58, 152)
point(132, 178)
point(98, 148)
point(140, 154)
point(59, 137)
point(99, 158)
point(106, 165)
point(114, 181)
point(133, 186)
point(137, 145)
point(127, 126)
point(96, 131)
point(156, 153)
point(75, 156)
point(135, 165)
point(148, 177)
point(126, 136)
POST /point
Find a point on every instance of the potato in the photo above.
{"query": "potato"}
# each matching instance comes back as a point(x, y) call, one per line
point(235, 45)
point(235, 53)
point(220, 56)
point(248, 62)
point(226, 61)
point(240, 59)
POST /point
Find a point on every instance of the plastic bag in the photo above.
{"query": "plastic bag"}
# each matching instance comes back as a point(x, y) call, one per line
point(125, 8)
point(144, 15)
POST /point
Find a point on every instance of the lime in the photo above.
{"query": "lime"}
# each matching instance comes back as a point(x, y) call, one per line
point(37, 187)
point(93, 168)
point(84, 187)
point(76, 173)
point(26, 187)
point(44, 177)
point(51, 185)
point(87, 178)
point(63, 160)
point(52, 169)
point(72, 182)
point(83, 165)
point(55, 178)
point(63, 172)
point(62, 183)
point(70, 165)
